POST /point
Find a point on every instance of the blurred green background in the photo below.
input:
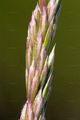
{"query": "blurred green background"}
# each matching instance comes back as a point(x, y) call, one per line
point(64, 102)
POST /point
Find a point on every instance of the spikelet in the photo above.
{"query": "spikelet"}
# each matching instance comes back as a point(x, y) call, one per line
point(40, 54)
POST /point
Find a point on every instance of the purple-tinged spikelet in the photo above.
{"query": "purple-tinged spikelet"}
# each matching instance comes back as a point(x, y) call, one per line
point(40, 58)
